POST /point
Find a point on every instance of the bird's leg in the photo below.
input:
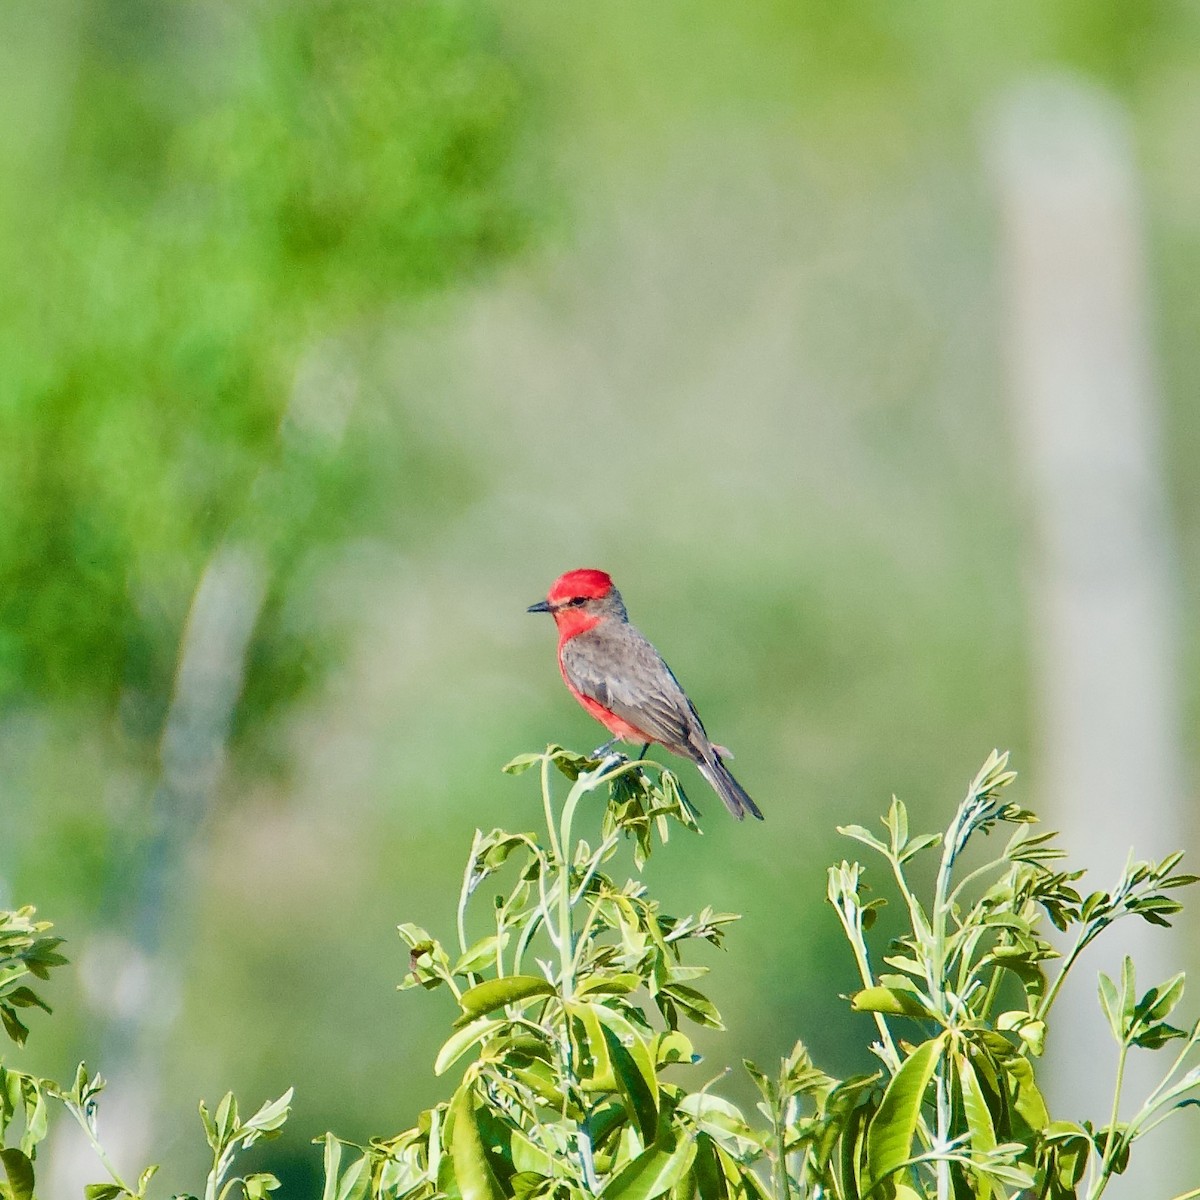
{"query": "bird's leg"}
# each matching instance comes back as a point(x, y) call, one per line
point(643, 753)
point(608, 756)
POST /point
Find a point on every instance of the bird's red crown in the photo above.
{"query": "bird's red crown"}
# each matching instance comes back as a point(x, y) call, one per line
point(584, 582)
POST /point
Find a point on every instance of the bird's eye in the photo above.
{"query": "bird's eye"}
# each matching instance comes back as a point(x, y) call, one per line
point(576, 601)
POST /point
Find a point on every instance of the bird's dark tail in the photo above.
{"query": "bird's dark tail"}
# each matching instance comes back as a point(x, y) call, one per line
point(735, 797)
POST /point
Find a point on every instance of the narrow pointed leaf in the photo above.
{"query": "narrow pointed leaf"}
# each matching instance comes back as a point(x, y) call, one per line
point(979, 1119)
point(656, 1170)
point(486, 997)
point(476, 1180)
point(461, 1041)
point(272, 1115)
point(896, 1002)
point(638, 1090)
point(1110, 1001)
point(890, 1137)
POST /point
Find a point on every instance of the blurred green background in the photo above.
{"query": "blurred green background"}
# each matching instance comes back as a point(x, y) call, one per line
point(410, 306)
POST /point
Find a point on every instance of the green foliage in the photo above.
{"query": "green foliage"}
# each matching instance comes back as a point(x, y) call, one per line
point(962, 1114)
point(25, 949)
point(26, 1101)
point(576, 1074)
point(575, 999)
point(580, 1078)
point(223, 198)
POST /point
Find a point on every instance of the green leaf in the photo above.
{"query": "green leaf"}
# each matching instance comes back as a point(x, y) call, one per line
point(529, 1157)
point(978, 1116)
point(975, 1109)
point(1158, 1003)
point(1029, 1029)
point(636, 1081)
point(620, 984)
point(1157, 1035)
point(25, 997)
point(890, 1136)
point(1070, 1148)
point(764, 1083)
point(481, 954)
point(486, 997)
point(332, 1162)
point(859, 834)
point(595, 1068)
point(896, 823)
point(520, 764)
point(226, 1118)
point(97, 1191)
point(1128, 992)
point(476, 1180)
point(256, 1187)
point(851, 1145)
point(710, 1179)
point(720, 1119)
point(461, 1041)
point(895, 1001)
point(656, 1170)
point(696, 1006)
point(1110, 1001)
point(1027, 1099)
point(922, 841)
point(13, 1025)
point(674, 1047)
point(19, 1172)
point(350, 1185)
point(271, 1116)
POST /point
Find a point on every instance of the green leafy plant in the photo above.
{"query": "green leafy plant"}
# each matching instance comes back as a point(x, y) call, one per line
point(26, 1101)
point(576, 990)
point(573, 1005)
point(575, 1000)
point(974, 973)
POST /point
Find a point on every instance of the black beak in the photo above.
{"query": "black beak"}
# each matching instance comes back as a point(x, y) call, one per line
point(540, 606)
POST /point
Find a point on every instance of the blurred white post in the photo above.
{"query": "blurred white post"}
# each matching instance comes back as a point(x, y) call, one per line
point(1106, 638)
point(134, 980)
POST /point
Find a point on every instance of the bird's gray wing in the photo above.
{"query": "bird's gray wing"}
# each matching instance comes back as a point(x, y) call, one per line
point(617, 667)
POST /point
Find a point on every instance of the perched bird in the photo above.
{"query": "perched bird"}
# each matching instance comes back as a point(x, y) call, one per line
point(619, 677)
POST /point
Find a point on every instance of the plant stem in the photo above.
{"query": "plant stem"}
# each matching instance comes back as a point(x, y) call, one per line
point(1107, 1158)
point(1053, 990)
point(560, 864)
point(548, 808)
point(100, 1152)
point(941, 912)
point(464, 893)
point(783, 1187)
point(864, 971)
point(942, 1164)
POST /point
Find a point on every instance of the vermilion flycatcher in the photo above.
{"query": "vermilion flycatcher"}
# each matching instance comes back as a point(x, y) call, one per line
point(619, 677)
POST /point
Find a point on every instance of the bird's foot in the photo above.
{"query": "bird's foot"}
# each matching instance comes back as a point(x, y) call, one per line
point(602, 751)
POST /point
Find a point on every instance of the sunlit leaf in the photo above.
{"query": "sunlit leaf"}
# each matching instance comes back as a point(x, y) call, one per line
point(476, 1180)
point(486, 997)
point(461, 1041)
point(18, 1171)
point(890, 1136)
point(898, 1002)
point(656, 1170)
